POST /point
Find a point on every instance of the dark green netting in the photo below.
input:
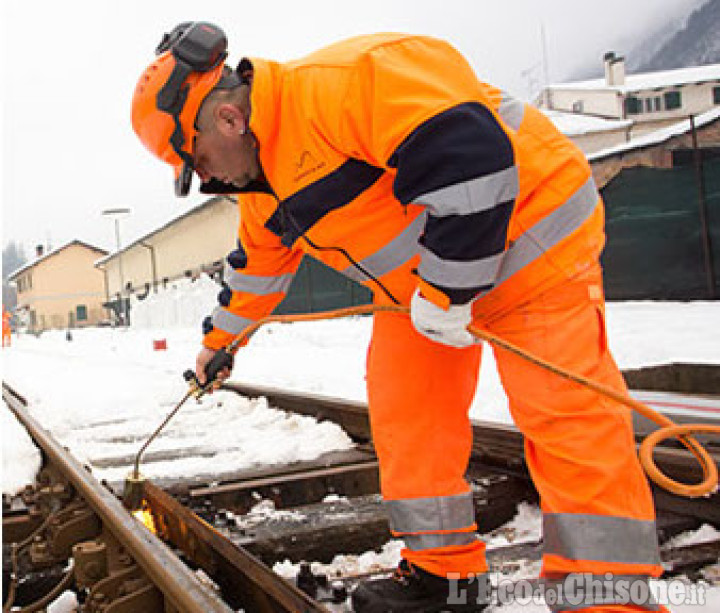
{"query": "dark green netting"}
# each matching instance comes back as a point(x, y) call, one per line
point(317, 287)
point(654, 246)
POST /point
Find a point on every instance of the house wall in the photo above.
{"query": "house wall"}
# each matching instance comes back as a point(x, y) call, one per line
point(189, 244)
point(56, 286)
point(695, 99)
point(606, 103)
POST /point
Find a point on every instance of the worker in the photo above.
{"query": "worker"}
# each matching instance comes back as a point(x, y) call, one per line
point(386, 158)
point(6, 329)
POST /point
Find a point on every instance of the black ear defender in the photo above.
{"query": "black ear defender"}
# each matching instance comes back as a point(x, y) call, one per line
point(197, 46)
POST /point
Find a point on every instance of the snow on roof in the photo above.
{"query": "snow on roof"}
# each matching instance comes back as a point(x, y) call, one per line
point(659, 136)
point(49, 254)
point(575, 124)
point(650, 80)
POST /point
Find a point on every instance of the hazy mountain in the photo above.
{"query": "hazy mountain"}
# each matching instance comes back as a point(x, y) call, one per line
point(680, 41)
point(644, 51)
point(696, 44)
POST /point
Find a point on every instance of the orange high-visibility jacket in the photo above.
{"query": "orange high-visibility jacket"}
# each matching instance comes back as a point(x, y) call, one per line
point(388, 160)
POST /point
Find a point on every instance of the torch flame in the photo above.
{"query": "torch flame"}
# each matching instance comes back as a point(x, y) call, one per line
point(144, 516)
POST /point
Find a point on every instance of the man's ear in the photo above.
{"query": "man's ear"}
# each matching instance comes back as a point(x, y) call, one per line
point(229, 119)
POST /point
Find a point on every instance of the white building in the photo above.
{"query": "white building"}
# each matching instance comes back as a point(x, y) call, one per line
point(634, 104)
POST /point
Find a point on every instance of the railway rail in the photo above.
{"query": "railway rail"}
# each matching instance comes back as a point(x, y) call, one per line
point(208, 552)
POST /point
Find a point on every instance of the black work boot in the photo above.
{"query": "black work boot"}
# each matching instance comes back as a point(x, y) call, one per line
point(414, 589)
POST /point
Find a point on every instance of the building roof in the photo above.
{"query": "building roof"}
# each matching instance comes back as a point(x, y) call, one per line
point(658, 136)
point(576, 124)
point(649, 80)
point(166, 225)
point(49, 254)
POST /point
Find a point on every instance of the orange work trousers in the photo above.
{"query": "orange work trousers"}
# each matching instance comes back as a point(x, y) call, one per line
point(598, 513)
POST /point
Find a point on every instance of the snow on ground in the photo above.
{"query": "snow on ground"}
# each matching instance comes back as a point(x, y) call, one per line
point(67, 602)
point(703, 534)
point(525, 527)
point(105, 391)
point(18, 450)
point(650, 333)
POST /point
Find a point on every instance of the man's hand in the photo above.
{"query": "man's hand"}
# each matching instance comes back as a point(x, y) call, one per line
point(201, 363)
point(448, 327)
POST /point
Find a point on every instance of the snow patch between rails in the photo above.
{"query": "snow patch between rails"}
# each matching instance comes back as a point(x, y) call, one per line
point(344, 565)
point(703, 534)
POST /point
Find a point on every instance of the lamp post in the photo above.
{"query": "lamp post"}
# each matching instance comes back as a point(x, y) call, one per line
point(117, 214)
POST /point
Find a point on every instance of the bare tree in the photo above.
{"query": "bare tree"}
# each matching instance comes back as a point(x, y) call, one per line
point(13, 257)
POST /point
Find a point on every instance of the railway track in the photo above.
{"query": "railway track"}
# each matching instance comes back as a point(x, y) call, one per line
point(213, 544)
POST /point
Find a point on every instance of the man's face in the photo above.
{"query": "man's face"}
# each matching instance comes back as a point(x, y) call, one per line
point(223, 150)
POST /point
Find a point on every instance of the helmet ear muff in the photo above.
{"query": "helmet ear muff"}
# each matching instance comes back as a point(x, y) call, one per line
point(200, 45)
point(196, 47)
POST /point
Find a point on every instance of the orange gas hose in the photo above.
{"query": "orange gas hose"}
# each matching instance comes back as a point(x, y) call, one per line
point(667, 429)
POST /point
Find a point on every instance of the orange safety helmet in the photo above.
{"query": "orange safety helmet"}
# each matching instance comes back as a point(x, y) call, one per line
point(170, 92)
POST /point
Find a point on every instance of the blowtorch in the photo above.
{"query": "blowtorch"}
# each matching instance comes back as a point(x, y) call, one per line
point(134, 488)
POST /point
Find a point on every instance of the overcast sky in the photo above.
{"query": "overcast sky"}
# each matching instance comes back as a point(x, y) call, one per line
point(69, 69)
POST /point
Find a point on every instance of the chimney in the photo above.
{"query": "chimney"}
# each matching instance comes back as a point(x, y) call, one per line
point(614, 69)
point(39, 250)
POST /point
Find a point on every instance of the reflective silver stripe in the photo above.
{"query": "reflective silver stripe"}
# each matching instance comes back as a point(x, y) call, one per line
point(454, 273)
point(550, 230)
point(240, 282)
point(581, 590)
point(511, 111)
point(225, 320)
point(431, 514)
point(391, 256)
point(473, 196)
point(416, 542)
point(530, 245)
point(600, 538)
